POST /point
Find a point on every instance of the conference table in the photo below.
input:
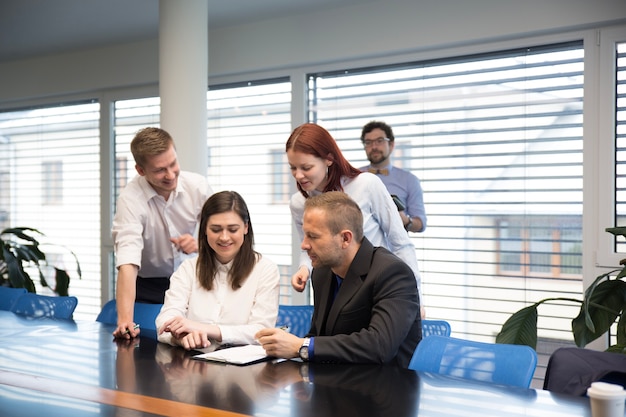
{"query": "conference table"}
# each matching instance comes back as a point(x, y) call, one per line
point(53, 368)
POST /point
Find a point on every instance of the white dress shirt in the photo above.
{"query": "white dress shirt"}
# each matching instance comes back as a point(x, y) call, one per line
point(240, 314)
point(144, 223)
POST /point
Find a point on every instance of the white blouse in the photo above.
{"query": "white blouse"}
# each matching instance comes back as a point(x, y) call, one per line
point(144, 223)
point(240, 314)
point(381, 224)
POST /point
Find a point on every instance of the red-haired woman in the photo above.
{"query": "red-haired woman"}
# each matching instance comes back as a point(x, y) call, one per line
point(318, 166)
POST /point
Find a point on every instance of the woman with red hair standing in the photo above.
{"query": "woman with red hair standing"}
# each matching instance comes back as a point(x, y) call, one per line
point(318, 166)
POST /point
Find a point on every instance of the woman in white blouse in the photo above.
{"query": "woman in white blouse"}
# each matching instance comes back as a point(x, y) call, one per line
point(318, 166)
point(229, 291)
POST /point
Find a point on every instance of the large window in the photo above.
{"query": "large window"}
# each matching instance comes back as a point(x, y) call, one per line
point(248, 124)
point(50, 172)
point(496, 141)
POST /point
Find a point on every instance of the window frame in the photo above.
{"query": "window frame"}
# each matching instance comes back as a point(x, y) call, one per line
point(602, 158)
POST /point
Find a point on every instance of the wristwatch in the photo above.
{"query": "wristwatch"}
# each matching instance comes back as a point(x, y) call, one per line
point(408, 225)
point(304, 349)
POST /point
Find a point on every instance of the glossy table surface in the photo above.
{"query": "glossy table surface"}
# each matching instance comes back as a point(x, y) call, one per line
point(61, 368)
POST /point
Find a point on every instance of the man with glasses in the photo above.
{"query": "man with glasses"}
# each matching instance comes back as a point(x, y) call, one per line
point(378, 140)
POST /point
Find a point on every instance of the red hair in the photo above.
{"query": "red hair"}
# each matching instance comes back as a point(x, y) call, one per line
point(312, 139)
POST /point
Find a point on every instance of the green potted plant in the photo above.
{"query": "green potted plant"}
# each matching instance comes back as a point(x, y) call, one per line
point(603, 304)
point(21, 249)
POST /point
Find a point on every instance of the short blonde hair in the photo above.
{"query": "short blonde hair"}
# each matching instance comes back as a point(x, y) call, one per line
point(150, 141)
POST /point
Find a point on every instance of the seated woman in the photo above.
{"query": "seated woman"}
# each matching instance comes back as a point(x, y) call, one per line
point(229, 291)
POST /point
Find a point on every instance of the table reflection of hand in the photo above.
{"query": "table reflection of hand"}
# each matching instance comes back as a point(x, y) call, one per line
point(178, 364)
point(278, 375)
point(125, 364)
point(126, 372)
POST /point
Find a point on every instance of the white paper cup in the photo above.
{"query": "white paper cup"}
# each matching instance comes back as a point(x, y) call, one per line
point(607, 400)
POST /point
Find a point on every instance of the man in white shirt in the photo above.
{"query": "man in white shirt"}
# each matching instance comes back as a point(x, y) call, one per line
point(155, 223)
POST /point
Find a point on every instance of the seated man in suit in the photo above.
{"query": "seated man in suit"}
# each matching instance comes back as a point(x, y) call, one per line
point(366, 303)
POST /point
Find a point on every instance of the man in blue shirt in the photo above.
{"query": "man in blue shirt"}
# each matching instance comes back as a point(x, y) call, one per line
point(378, 141)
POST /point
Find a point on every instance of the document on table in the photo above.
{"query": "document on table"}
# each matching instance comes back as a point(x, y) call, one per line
point(238, 355)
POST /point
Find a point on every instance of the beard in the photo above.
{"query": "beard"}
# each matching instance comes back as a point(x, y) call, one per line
point(376, 157)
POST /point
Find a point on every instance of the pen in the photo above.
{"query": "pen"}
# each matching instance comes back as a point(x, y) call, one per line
point(285, 328)
point(134, 328)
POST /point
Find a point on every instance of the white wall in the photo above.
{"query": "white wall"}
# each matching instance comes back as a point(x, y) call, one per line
point(371, 29)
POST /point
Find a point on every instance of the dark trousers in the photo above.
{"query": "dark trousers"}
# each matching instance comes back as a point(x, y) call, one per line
point(151, 290)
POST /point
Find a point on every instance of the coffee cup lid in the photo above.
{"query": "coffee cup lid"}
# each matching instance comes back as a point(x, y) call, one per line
point(606, 390)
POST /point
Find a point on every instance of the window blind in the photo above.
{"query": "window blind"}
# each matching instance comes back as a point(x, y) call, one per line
point(496, 140)
point(50, 181)
point(249, 124)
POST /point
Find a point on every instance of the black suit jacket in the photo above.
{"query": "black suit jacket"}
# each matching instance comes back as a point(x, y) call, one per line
point(375, 317)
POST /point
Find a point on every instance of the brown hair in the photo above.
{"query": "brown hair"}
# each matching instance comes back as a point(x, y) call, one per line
point(150, 141)
point(342, 212)
point(374, 124)
point(313, 139)
point(207, 266)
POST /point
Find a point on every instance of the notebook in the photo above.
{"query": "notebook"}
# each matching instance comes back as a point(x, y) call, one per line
point(238, 355)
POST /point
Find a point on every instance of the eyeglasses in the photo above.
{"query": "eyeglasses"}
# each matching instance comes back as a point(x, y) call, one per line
point(368, 143)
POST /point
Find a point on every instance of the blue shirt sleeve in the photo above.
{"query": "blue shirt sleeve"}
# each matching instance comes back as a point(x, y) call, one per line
point(311, 348)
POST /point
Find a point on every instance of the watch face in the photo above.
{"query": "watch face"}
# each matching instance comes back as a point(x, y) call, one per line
point(304, 353)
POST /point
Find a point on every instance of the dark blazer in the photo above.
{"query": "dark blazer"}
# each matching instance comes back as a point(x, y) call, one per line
point(375, 317)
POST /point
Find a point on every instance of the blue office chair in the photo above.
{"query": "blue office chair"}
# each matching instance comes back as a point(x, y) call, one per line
point(108, 313)
point(35, 305)
point(8, 296)
point(489, 362)
point(438, 327)
point(144, 314)
point(297, 318)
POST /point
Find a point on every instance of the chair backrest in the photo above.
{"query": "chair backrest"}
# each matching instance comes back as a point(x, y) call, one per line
point(438, 327)
point(571, 370)
point(489, 362)
point(144, 314)
point(36, 305)
point(8, 295)
point(296, 317)
point(108, 314)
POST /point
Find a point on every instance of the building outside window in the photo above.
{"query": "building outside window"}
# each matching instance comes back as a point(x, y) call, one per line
point(52, 182)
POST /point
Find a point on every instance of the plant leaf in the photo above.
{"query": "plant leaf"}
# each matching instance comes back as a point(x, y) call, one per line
point(17, 276)
point(617, 349)
point(599, 311)
point(20, 233)
point(63, 282)
point(521, 327)
point(617, 231)
point(30, 253)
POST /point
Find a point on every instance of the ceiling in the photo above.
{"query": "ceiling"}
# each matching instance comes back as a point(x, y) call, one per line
point(40, 27)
